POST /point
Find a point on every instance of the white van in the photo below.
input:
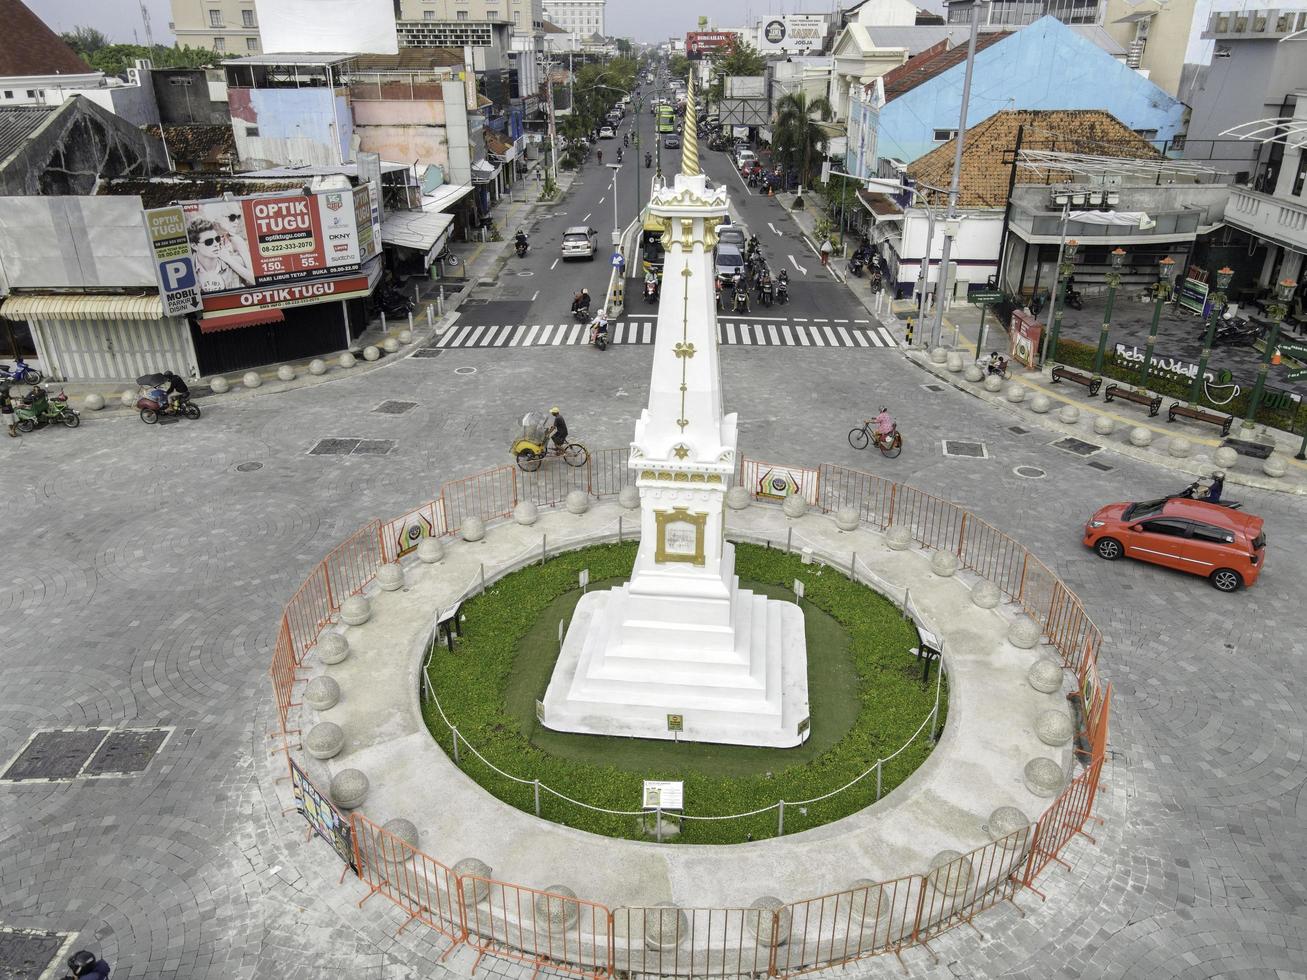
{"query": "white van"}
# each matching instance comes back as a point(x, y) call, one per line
point(743, 156)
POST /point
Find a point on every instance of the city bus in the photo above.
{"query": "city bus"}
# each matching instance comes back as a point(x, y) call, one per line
point(651, 246)
point(666, 119)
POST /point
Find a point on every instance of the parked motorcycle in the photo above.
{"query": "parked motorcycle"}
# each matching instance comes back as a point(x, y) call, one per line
point(20, 373)
point(1074, 300)
point(651, 290)
point(40, 408)
point(1236, 333)
point(155, 404)
point(1198, 490)
point(855, 265)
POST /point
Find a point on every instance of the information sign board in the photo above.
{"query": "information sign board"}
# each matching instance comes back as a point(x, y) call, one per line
point(662, 794)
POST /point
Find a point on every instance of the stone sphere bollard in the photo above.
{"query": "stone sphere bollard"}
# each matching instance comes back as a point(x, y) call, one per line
point(986, 595)
point(390, 577)
point(371, 352)
point(953, 362)
point(993, 382)
point(664, 927)
point(973, 372)
point(1015, 393)
point(899, 538)
point(430, 550)
point(558, 909)
point(406, 336)
point(1069, 414)
point(769, 920)
point(794, 506)
point(1040, 404)
point(847, 519)
point(737, 498)
point(347, 360)
point(405, 830)
point(938, 355)
point(526, 513)
point(578, 502)
point(950, 873)
point(1024, 633)
point(220, 385)
point(251, 379)
point(1104, 425)
point(1045, 675)
point(629, 497)
point(944, 563)
point(93, 402)
point(1044, 777)
point(349, 788)
point(1006, 820)
point(474, 529)
point(1275, 466)
point(324, 740)
point(1179, 447)
point(332, 648)
point(474, 892)
point(356, 610)
point(390, 345)
point(128, 399)
point(285, 373)
point(317, 367)
point(1054, 727)
point(1141, 436)
point(322, 693)
point(1225, 457)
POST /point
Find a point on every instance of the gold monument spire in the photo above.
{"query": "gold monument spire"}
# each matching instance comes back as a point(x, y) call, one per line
point(690, 137)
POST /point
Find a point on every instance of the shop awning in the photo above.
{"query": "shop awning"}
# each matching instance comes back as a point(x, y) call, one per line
point(81, 306)
point(251, 318)
point(483, 172)
point(419, 230)
point(882, 207)
point(445, 196)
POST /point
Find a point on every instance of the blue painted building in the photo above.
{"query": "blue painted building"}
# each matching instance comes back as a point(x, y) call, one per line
point(1046, 65)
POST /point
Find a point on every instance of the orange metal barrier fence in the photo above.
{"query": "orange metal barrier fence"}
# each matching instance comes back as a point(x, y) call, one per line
point(547, 927)
point(420, 885)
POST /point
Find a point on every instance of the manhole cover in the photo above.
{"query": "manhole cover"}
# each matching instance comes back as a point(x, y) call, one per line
point(248, 467)
point(395, 408)
point(970, 450)
point(465, 370)
point(427, 352)
point(374, 447)
point(1017, 429)
point(55, 755)
point(334, 447)
point(26, 954)
point(525, 273)
point(1101, 466)
point(127, 752)
point(1077, 447)
point(1030, 472)
point(933, 387)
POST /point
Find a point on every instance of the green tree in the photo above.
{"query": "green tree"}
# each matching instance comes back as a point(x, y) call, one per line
point(678, 65)
point(84, 40)
point(624, 47)
point(796, 137)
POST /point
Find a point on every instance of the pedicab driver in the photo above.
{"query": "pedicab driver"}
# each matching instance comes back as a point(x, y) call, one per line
point(557, 429)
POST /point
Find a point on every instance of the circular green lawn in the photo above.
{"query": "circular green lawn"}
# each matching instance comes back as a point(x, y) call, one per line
point(864, 691)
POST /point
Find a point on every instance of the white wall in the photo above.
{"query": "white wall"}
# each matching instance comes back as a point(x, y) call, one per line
point(886, 13)
point(339, 26)
point(977, 241)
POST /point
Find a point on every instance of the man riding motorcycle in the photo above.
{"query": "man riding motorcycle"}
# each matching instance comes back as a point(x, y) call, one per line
point(740, 302)
point(651, 285)
point(648, 160)
point(521, 242)
point(782, 286)
point(581, 304)
point(619, 154)
point(599, 328)
point(176, 390)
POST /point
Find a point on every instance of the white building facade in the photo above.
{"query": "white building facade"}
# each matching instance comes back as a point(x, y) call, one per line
point(579, 17)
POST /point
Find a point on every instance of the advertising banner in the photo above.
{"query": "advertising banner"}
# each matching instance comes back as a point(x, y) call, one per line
point(338, 217)
point(793, 32)
point(285, 235)
point(290, 294)
point(323, 818)
point(699, 43)
point(1026, 331)
point(173, 264)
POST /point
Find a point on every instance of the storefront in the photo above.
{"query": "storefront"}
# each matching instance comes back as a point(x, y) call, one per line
point(413, 239)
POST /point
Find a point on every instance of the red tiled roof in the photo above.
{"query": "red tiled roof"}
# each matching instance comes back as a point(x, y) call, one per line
point(29, 47)
point(926, 66)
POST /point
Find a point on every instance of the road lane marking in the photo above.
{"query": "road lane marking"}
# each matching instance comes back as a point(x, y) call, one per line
point(553, 265)
point(775, 229)
point(794, 262)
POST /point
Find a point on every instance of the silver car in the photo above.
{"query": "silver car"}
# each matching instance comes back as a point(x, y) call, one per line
point(580, 242)
point(730, 262)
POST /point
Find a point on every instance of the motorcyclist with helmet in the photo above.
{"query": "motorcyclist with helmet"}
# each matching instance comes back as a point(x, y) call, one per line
point(599, 328)
point(177, 390)
point(581, 304)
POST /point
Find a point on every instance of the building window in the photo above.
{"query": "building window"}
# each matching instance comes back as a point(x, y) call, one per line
point(492, 15)
point(251, 44)
point(31, 93)
point(219, 44)
point(251, 130)
point(944, 135)
point(517, 17)
point(428, 15)
point(460, 14)
point(1301, 176)
point(215, 18)
point(9, 93)
point(247, 18)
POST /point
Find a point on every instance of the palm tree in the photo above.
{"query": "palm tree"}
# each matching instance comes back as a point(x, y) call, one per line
point(801, 140)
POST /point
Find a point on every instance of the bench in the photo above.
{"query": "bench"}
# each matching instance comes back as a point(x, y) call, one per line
point(1061, 373)
point(1154, 402)
point(1198, 415)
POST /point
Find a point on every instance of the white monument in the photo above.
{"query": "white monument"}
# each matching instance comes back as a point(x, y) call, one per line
point(681, 651)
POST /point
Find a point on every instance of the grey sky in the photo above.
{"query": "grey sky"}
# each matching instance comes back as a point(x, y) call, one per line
point(638, 19)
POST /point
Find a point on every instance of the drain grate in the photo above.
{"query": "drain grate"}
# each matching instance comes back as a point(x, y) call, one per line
point(125, 753)
point(395, 408)
point(55, 755)
point(1017, 429)
point(1030, 472)
point(374, 447)
point(1077, 447)
point(334, 447)
point(248, 467)
point(27, 954)
point(1243, 447)
point(1101, 466)
point(966, 450)
point(427, 352)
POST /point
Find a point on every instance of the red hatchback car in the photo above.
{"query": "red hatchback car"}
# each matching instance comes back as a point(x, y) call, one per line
point(1227, 547)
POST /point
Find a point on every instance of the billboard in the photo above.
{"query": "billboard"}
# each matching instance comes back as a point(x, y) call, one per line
point(178, 288)
point(793, 32)
point(334, 26)
point(700, 43)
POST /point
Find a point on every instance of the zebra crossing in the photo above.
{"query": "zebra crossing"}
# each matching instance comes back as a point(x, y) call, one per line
point(776, 332)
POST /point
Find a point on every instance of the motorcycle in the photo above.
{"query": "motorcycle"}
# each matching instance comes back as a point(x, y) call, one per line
point(599, 337)
point(581, 312)
point(40, 408)
point(1073, 299)
point(20, 373)
point(740, 301)
point(648, 160)
point(521, 245)
point(766, 292)
point(154, 402)
point(876, 281)
point(1198, 491)
point(1237, 333)
point(393, 303)
point(782, 288)
point(855, 265)
point(619, 154)
point(651, 290)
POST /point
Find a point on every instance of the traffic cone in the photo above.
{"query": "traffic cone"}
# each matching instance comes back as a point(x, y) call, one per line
point(1275, 356)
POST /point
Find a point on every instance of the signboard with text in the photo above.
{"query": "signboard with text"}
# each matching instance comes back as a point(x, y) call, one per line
point(699, 43)
point(292, 294)
point(663, 794)
point(174, 265)
point(792, 32)
point(1192, 295)
point(1025, 334)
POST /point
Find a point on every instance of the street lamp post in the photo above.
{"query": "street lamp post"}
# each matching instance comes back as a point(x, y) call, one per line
point(1065, 270)
point(1113, 282)
point(1161, 290)
point(617, 231)
point(1275, 312)
point(1223, 278)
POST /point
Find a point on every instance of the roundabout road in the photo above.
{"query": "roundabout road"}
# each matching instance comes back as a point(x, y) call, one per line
point(145, 574)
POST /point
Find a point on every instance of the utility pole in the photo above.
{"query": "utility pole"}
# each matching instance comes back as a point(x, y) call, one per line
point(951, 220)
point(553, 131)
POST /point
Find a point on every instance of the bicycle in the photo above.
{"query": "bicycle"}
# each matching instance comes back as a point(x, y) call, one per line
point(864, 435)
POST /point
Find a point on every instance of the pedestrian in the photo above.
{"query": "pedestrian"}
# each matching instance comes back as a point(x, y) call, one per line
point(826, 249)
point(7, 417)
point(1217, 488)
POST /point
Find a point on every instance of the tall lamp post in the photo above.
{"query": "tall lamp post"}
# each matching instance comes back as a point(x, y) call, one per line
point(1275, 312)
point(1113, 282)
point(1223, 279)
point(1161, 291)
point(1065, 270)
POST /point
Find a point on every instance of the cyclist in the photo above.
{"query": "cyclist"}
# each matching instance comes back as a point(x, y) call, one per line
point(884, 425)
point(557, 430)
